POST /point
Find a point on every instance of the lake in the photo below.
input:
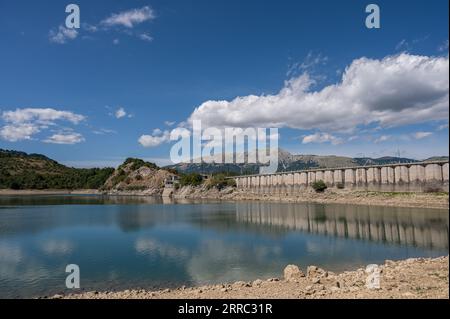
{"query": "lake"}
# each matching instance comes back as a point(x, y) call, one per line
point(141, 242)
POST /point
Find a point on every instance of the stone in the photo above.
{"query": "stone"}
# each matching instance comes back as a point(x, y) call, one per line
point(320, 287)
point(257, 282)
point(292, 273)
point(389, 262)
point(314, 271)
point(239, 284)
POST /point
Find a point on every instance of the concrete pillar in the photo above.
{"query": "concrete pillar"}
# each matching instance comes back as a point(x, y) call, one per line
point(373, 175)
point(350, 177)
point(329, 178)
point(433, 172)
point(401, 175)
point(296, 178)
point(279, 179)
point(304, 179)
point(311, 177)
point(417, 174)
point(361, 176)
point(338, 177)
point(445, 173)
point(319, 176)
point(387, 175)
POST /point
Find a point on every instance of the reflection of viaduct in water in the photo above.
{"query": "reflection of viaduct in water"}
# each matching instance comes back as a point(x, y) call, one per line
point(394, 177)
point(406, 226)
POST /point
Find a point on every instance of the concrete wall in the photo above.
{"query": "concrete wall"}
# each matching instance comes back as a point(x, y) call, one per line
point(414, 177)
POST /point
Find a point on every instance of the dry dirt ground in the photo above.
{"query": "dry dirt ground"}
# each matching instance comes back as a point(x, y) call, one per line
point(427, 200)
point(411, 278)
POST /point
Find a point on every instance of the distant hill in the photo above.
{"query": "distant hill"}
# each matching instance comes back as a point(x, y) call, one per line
point(291, 162)
point(19, 170)
point(137, 175)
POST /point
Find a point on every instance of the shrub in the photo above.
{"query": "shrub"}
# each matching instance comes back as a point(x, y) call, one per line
point(192, 179)
point(137, 163)
point(319, 186)
point(221, 181)
point(340, 186)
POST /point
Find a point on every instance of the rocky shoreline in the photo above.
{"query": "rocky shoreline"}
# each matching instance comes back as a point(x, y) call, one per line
point(414, 278)
point(426, 200)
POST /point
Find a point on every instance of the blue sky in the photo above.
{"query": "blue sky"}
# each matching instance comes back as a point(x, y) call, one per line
point(86, 98)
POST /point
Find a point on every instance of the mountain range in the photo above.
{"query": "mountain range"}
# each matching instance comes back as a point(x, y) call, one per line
point(19, 170)
point(291, 162)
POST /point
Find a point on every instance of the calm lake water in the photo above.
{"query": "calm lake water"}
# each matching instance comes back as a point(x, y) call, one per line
point(136, 242)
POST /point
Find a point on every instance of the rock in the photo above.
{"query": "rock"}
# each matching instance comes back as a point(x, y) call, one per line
point(57, 296)
point(292, 273)
point(309, 290)
point(320, 287)
point(239, 284)
point(257, 282)
point(224, 290)
point(273, 279)
point(334, 289)
point(314, 271)
point(389, 262)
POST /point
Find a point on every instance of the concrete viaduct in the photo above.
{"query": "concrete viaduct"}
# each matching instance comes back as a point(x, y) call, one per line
point(410, 177)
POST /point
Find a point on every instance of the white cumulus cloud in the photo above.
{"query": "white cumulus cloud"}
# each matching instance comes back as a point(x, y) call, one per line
point(129, 18)
point(40, 115)
point(65, 138)
point(421, 135)
point(62, 35)
point(145, 37)
point(157, 138)
point(22, 124)
point(120, 113)
point(19, 132)
point(396, 90)
point(383, 138)
point(322, 138)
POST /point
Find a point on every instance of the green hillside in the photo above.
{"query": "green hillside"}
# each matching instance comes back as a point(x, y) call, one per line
point(19, 170)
